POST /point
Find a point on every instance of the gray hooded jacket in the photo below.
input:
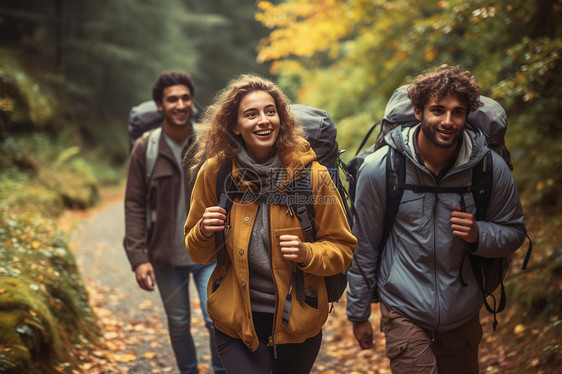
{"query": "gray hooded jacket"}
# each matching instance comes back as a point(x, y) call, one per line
point(419, 272)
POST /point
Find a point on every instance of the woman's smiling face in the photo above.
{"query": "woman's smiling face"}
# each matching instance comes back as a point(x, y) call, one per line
point(258, 123)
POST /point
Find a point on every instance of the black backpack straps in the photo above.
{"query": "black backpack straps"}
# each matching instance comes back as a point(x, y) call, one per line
point(299, 198)
point(366, 137)
point(395, 182)
point(482, 177)
point(301, 192)
point(224, 185)
point(529, 250)
point(495, 308)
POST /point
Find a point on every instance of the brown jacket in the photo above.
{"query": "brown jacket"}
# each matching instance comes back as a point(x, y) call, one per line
point(228, 301)
point(162, 193)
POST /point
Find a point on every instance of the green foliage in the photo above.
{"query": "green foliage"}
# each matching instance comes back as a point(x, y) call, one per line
point(24, 101)
point(102, 57)
point(227, 47)
point(37, 171)
point(514, 48)
point(44, 311)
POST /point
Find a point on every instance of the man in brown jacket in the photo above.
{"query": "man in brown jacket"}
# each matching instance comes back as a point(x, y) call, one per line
point(156, 206)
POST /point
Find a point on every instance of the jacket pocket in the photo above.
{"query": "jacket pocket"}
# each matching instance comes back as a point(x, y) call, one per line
point(396, 348)
point(278, 260)
point(225, 303)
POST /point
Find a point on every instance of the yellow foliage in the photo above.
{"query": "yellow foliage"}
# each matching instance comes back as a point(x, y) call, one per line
point(430, 53)
point(540, 186)
point(304, 28)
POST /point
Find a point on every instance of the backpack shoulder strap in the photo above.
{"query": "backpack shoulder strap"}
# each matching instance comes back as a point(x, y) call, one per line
point(224, 185)
point(153, 141)
point(304, 212)
point(482, 177)
point(306, 216)
point(395, 181)
point(152, 151)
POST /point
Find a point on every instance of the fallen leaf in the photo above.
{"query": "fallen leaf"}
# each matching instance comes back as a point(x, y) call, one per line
point(150, 355)
point(127, 357)
point(519, 329)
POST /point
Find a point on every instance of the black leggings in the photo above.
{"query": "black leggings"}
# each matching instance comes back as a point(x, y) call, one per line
point(291, 358)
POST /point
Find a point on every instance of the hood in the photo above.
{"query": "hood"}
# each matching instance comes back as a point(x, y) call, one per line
point(299, 159)
point(474, 144)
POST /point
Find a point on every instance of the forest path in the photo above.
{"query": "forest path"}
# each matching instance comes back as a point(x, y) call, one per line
point(134, 329)
point(132, 320)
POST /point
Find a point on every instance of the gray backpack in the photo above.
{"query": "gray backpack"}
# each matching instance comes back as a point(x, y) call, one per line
point(491, 119)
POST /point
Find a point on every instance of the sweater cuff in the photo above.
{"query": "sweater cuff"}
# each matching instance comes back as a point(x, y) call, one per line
point(201, 231)
point(307, 258)
point(472, 247)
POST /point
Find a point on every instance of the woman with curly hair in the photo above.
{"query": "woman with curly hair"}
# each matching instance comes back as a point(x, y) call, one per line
point(260, 325)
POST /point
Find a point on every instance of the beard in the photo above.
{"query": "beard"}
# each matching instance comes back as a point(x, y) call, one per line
point(172, 118)
point(432, 134)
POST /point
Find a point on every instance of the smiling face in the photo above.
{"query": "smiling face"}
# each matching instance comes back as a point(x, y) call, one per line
point(442, 122)
point(176, 105)
point(258, 123)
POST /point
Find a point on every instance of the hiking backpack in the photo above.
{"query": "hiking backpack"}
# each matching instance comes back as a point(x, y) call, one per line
point(321, 134)
point(491, 119)
point(145, 120)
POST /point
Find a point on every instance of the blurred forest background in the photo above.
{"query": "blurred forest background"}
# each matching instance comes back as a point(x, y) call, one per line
point(70, 70)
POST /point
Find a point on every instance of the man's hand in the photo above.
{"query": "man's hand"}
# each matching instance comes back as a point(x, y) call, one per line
point(363, 332)
point(145, 276)
point(464, 225)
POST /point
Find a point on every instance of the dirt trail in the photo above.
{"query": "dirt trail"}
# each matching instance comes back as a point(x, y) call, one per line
point(132, 320)
point(135, 337)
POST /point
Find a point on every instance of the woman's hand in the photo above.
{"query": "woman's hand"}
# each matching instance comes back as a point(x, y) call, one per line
point(292, 248)
point(212, 221)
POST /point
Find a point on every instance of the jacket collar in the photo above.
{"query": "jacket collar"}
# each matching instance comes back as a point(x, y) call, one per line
point(472, 150)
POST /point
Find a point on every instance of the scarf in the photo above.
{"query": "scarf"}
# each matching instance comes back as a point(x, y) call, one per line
point(265, 177)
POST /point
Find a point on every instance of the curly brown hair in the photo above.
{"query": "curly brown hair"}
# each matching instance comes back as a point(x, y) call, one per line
point(216, 137)
point(171, 78)
point(443, 81)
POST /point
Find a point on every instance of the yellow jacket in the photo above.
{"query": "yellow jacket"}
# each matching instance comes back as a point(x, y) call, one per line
point(228, 301)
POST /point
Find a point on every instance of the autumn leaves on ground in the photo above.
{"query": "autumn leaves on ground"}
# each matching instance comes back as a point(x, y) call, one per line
point(77, 309)
point(140, 343)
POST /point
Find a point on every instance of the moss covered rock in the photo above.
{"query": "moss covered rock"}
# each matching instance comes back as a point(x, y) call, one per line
point(45, 316)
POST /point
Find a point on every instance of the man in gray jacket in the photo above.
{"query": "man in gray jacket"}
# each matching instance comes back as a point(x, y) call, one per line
point(156, 250)
point(430, 320)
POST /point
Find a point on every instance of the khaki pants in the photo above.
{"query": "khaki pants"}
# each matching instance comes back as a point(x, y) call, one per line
point(412, 349)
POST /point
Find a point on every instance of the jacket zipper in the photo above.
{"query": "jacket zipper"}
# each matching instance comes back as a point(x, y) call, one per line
point(271, 342)
point(436, 201)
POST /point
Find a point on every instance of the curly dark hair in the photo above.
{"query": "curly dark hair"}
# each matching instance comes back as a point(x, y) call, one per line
point(217, 139)
point(442, 81)
point(171, 78)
